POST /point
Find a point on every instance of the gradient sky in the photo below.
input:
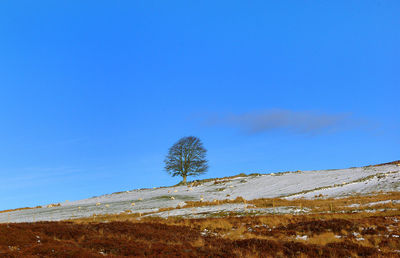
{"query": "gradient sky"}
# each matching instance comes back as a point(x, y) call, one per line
point(93, 93)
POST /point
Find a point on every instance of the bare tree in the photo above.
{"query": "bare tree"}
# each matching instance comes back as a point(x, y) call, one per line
point(187, 157)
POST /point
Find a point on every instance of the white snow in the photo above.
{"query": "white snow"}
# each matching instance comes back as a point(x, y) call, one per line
point(304, 184)
point(305, 237)
point(383, 202)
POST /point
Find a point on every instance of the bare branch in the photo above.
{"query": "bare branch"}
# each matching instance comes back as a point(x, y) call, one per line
point(187, 157)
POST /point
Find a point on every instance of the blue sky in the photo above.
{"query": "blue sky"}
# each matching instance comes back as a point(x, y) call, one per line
point(93, 93)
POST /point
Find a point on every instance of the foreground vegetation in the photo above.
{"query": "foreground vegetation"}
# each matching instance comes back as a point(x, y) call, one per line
point(329, 235)
point(358, 226)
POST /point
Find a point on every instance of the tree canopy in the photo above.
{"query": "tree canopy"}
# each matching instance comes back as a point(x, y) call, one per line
point(187, 157)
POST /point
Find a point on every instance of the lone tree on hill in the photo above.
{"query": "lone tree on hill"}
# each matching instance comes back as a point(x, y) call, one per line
point(187, 157)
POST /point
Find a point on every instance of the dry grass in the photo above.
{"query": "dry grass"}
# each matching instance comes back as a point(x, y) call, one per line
point(29, 208)
point(124, 216)
point(306, 235)
point(19, 209)
point(397, 162)
point(316, 205)
point(330, 230)
point(322, 239)
point(320, 208)
point(331, 204)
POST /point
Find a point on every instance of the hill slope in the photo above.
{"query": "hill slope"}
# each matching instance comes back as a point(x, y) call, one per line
point(288, 185)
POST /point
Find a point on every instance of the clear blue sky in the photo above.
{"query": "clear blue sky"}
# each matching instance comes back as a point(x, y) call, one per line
point(93, 93)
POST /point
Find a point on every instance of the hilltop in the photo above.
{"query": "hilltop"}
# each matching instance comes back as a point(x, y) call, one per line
point(203, 198)
point(352, 212)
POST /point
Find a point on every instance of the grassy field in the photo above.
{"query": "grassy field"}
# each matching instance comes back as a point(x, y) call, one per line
point(358, 226)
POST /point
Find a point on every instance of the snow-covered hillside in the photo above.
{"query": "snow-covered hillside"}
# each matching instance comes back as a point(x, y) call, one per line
point(301, 184)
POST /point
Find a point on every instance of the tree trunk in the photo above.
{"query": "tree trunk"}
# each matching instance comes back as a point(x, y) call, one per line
point(184, 179)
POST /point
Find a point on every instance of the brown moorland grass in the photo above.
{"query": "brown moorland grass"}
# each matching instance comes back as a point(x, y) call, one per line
point(397, 162)
point(317, 204)
point(330, 230)
point(18, 209)
point(28, 208)
point(328, 235)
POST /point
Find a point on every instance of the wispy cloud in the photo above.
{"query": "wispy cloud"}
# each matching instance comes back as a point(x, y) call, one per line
point(299, 122)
